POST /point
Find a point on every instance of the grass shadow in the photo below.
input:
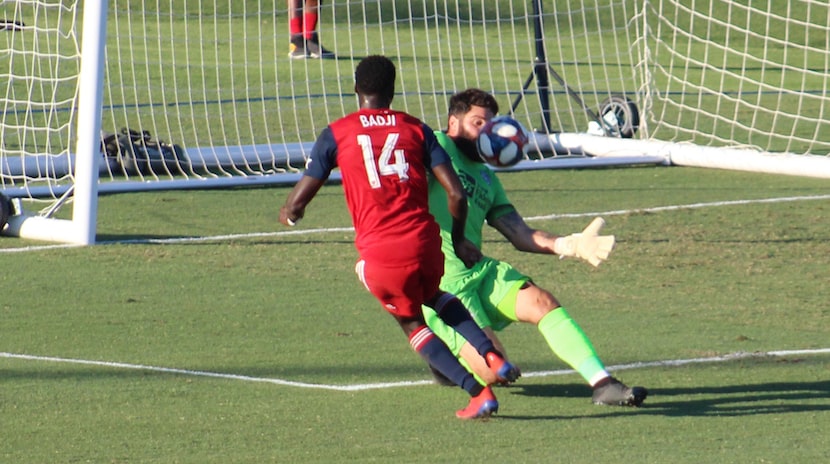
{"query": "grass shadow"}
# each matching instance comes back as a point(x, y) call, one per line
point(703, 401)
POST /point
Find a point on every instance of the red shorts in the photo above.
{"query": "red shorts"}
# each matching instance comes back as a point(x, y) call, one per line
point(403, 289)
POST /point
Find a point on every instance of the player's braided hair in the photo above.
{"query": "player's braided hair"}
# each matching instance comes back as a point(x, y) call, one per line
point(375, 75)
point(461, 102)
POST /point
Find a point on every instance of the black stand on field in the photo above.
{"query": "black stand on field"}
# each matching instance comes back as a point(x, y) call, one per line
point(624, 109)
point(540, 71)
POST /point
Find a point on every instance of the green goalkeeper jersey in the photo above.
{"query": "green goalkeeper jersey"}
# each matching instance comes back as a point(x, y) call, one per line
point(486, 199)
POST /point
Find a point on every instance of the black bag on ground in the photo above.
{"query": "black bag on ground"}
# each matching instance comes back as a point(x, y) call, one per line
point(137, 152)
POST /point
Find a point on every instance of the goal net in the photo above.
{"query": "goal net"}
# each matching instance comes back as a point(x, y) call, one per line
point(196, 94)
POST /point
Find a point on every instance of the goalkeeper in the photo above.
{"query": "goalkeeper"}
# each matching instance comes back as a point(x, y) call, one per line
point(496, 293)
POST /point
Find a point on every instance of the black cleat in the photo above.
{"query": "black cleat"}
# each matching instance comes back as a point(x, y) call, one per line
point(315, 50)
point(612, 392)
point(297, 49)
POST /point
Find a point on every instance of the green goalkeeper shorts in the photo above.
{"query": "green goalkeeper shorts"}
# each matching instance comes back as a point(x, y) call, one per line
point(488, 292)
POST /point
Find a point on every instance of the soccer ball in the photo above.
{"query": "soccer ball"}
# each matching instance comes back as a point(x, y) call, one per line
point(501, 142)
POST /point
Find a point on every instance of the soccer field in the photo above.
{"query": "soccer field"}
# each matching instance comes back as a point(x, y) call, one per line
point(201, 331)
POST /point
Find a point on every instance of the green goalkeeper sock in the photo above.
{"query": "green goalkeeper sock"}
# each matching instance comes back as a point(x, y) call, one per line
point(567, 341)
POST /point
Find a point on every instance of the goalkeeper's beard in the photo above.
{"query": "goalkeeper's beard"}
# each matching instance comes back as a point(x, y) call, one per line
point(467, 147)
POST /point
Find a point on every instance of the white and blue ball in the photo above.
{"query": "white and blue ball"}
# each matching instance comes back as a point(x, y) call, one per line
point(501, 142)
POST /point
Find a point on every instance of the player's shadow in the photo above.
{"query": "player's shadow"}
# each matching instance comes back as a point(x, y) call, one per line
point(720, 401)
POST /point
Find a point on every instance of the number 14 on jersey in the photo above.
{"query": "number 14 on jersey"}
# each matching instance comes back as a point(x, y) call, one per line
point(391, 161)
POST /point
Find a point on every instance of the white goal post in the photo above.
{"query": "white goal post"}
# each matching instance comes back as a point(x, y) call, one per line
point(80, 229)
point(212, 98)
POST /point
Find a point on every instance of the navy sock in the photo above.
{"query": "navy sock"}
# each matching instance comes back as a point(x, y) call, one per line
point(436, 353)
point(454, 314)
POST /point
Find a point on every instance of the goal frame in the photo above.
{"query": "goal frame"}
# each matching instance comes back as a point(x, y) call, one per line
point(81, 229)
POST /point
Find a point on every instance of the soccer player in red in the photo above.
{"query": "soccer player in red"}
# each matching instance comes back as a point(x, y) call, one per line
point(304, 41)
point(384, 158)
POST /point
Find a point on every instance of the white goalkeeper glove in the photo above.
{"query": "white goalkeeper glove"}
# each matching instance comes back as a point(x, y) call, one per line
point(588, 245)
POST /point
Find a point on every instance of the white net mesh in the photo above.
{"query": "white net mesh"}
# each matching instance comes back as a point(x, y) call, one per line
point(40, 48)
point(751, 73)
point(214, 78)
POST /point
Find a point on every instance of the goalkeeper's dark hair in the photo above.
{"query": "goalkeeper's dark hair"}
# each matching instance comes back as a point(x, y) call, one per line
point(375, 75)
point(461, 102)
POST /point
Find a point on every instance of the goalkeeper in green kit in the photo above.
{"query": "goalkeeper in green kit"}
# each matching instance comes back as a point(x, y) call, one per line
point(496, 293)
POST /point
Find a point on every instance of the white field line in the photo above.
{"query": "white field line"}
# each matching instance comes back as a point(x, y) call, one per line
point(383, 385)
point(219, 238)
point(658, 209)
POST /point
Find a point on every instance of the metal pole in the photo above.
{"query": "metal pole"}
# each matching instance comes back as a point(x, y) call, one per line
point(540, 67)
point(90, 96)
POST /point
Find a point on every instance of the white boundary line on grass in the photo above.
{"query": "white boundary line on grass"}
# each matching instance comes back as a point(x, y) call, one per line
point(215, 238)
point(658, 209)
point(382, 385)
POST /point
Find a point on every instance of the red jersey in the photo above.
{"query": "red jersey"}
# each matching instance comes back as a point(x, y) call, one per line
point(384, 156)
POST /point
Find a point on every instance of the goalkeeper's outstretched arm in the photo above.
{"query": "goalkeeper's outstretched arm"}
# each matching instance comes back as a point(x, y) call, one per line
point(587, 245)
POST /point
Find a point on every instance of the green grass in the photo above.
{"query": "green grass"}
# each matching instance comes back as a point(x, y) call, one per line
point(682, 284)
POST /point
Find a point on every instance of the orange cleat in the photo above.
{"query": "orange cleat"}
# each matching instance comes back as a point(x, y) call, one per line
point(506, 372)
point(482, 406)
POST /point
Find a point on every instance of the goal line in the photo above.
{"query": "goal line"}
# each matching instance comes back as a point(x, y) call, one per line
point(398, 384)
